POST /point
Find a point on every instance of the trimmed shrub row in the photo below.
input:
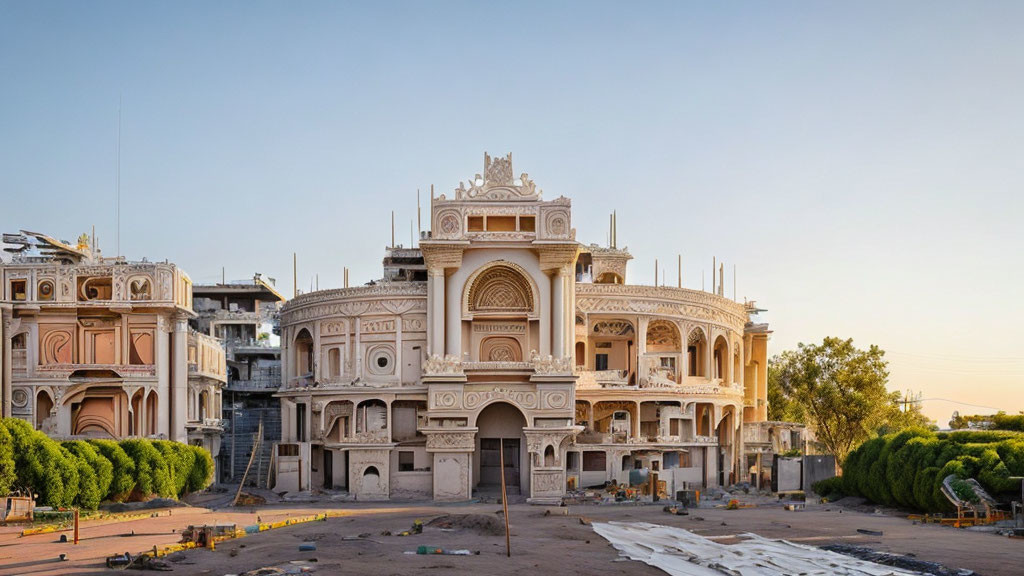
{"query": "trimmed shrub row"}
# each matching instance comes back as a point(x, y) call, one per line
point(84, 473)
point(906, 469)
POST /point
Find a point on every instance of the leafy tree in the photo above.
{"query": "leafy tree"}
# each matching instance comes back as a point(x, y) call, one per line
point(8, 473)
point(100, 466)
point(123, 469)
point(838, 389)
point(998, 421)
point(152, 476)
point(42, 465)
point(201, 474)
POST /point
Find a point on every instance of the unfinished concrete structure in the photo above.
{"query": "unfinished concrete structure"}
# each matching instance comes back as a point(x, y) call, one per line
point(244, 315)
point(101, 347)
point(518, 339)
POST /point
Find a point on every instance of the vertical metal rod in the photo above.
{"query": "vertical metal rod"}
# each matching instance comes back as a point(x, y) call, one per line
point(419, 217)
point(295, 275)
point(504, 497)
point(680, 281)
point(76, 526)
point(119, 176)
point(392, 228)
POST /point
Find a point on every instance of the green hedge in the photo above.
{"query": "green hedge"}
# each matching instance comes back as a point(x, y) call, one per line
point(84, 473)
point(907, 469)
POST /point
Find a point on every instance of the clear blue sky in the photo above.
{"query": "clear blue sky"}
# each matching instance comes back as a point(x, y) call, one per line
point(858, 162)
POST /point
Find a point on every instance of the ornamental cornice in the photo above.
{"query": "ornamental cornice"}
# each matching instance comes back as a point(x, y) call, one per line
point(661, 300)
point(556, 255)
point(438, 255)
point(384, 298)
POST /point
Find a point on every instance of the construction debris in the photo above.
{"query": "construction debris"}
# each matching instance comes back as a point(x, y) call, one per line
point(683, 553)
point(443, 551)
point(896, 560)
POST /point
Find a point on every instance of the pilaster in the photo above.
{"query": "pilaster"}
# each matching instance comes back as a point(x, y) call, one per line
point(179, 379)
point(452, 450)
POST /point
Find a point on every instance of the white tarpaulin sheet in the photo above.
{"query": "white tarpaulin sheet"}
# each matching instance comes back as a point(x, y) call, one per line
point(682, 553)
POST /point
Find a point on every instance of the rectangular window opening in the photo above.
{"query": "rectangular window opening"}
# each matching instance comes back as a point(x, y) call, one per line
point(406, 462)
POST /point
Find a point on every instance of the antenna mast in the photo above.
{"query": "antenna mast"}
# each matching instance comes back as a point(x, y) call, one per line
point(118, 210)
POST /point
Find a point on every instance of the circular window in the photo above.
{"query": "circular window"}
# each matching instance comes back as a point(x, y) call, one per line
point(381, 360)
point(46, 290)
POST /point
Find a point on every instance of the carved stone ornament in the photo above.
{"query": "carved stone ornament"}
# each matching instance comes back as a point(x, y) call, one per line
point(498, 183)
point(662, 333)
point(450, 441)
point(613, 328)
point(437, 365)
point(549, 365)
point(501, 288)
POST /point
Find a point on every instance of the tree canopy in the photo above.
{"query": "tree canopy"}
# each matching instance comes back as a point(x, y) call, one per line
point(840, 391)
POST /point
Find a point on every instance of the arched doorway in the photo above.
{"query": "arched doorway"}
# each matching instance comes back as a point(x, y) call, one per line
point(44, 404)
point(500, 428)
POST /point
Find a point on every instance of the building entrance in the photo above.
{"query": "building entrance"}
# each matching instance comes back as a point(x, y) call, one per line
point(491, 464)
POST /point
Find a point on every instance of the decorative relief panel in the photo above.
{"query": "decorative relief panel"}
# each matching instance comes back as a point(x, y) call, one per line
point(501, 288)
point(451, 441)
point(499, 327)
point(554, 400)
point(524, 398)
point(377, 326)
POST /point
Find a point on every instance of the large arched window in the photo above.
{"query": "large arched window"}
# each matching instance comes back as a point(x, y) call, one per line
point(721, 360)
point(696, 352)
point(501, 289)
point(303, 353)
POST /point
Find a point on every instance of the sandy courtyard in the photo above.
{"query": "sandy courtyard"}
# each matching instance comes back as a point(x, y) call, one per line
point(542, 541)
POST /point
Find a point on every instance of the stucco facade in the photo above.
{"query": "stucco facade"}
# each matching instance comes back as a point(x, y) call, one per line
point(100, 347)
point(520, 339)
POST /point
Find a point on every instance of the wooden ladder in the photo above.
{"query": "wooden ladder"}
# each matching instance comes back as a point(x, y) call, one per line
point(256, 442)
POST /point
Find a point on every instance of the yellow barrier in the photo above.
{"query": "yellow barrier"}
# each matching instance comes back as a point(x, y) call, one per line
point(240, 532)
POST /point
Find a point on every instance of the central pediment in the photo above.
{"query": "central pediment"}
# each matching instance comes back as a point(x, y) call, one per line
point(498, 183)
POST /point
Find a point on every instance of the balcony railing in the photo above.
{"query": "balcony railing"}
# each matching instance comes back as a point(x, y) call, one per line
point(597, 379)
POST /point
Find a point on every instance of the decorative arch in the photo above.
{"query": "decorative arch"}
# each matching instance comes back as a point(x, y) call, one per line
point(44, 404)
point(496, 401)
point(303, 344)
point(721, 360)
point(152, 412)
point(500, 287)
point(501, 349)
point(663, 335)
point(696, 352)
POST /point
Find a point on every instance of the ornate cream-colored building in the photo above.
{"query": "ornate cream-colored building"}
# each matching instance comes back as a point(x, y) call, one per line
point(518, 339)
point(100, 347)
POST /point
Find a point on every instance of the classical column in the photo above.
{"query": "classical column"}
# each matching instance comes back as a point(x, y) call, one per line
point(709, 355)
point(163, 378)
point(558, 313)
point(399, 367)
point(317, 370)
point(285, 364)
point(357, 354)
point(179, 381)
point(6, 372)
point(451, 331)
point(635, 425)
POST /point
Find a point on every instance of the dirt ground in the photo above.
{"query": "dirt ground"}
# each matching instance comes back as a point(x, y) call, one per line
point(540, 543)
